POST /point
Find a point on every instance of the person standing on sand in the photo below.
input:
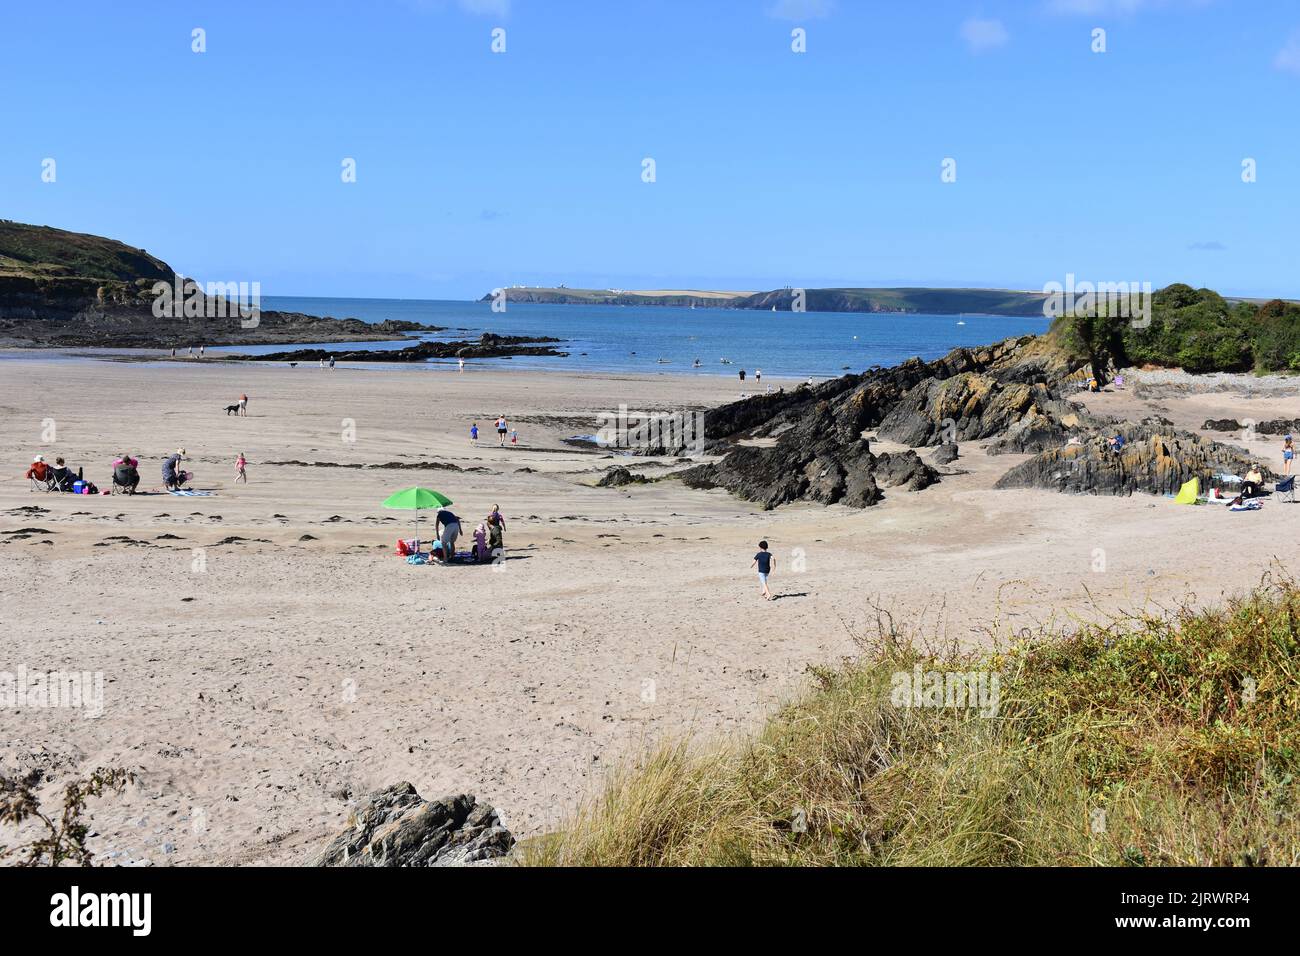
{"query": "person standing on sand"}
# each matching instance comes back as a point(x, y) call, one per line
point(496, 538)
point(473, 434)
point(243, 405)
point(331, 363)
point(1288, 452)
point(191, 351)
point(758, 376)
point(321, 364)
point(764, 562)
point(742, 376)
point(501, 430)
point(200, 351)
point(173, 351)
point(461, 360)
point(241, 464)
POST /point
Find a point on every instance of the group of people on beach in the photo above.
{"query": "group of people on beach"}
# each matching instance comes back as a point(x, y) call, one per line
point(503, 428)
point(489, 538)
point(125, 474)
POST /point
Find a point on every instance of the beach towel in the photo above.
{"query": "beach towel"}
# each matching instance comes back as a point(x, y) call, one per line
point(1254, 504)
point(1188, 493)
point(190, 493)
point(416, 559)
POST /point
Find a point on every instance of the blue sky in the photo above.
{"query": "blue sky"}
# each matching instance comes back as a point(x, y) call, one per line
point(477, 169)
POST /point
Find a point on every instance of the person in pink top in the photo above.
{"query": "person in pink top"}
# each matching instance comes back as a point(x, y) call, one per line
point(240, 464)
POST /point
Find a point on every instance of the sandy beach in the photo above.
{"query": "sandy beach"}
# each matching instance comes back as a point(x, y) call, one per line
point(267, 659)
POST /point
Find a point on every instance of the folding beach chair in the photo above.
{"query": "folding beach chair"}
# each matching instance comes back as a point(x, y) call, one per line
point(1286, 489)
point(43, 484)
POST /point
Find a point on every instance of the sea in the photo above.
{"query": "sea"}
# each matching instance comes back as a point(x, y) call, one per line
point(650, 339)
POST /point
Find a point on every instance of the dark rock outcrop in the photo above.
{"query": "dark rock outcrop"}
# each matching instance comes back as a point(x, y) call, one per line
point(396, 827)
point(814, 446)
point(489, 345)
point(618, 476)
point(1274, 426)
point(945, 454)
point(1156, 462)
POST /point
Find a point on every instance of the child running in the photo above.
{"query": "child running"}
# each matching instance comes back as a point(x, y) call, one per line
point(241, 463)
point(764, 561)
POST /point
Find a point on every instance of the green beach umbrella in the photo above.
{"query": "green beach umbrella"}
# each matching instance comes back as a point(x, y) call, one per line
point(416, 499)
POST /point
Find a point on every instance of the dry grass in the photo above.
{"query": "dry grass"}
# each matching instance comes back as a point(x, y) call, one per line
point(1142, 741)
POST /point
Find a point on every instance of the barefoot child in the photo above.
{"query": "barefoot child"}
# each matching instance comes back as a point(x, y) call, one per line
point(241, 463)
point(473, 434)
point(764, 561)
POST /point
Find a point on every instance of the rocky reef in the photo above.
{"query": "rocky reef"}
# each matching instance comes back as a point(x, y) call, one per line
point(808, 444)
point(397, 827)
point(489, 345)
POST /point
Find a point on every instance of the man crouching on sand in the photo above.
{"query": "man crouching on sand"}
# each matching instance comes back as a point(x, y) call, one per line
point(765, 562)
point(447, 526)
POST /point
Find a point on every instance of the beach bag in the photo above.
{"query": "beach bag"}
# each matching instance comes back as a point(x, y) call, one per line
point(404, 549)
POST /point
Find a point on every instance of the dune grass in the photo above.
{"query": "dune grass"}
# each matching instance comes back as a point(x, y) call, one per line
point(1154, 741)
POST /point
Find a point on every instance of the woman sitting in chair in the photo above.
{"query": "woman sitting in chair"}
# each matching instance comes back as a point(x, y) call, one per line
point(63, 476)
point(40, 472)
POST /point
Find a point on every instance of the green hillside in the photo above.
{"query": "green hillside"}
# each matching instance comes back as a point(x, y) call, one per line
point(45, 252)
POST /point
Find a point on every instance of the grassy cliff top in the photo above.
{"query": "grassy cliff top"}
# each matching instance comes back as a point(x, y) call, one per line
point(45, 252)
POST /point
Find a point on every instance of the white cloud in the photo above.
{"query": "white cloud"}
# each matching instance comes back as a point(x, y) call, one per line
point(801, 9)
point(983, 35)
point(1288, 58)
